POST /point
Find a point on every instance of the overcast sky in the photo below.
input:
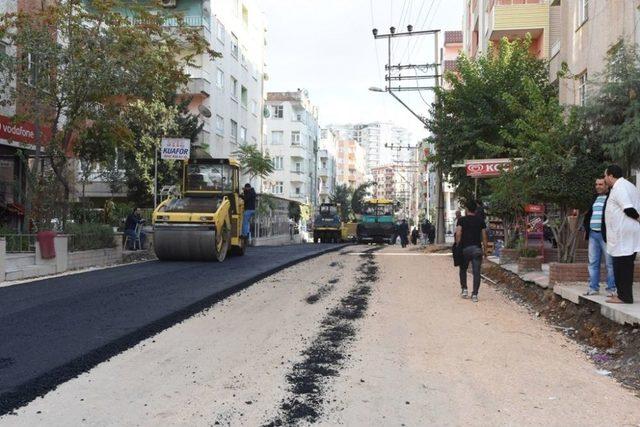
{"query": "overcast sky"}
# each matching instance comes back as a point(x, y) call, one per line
point(326, 47)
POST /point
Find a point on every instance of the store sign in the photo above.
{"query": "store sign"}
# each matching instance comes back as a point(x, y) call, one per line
point(486, 168)
point(175, 149)
point(24, 132)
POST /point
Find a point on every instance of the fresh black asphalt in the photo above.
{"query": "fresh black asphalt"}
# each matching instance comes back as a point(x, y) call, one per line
point(51, 330)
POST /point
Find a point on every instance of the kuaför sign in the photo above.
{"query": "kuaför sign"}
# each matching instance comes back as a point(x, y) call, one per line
point(175, 149)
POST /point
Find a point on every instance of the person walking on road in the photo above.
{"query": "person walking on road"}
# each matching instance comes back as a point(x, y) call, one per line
point(623, 231)
point(471, 235)
point(249, 197)
point(403, 231)
point(596, 234)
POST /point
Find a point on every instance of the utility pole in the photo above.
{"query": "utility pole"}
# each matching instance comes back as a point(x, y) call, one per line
point(399, 78)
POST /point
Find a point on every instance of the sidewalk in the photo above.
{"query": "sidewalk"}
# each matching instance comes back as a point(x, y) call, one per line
point(619, 313)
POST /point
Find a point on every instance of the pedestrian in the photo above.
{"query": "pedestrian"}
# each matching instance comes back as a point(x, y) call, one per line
point(133, 226)
point(425, 227)
point(414, 236)
point(471, 235)
point(623, 231)
point(432, 233)
point(596, 234)
point(249, 197)
point(403, 231)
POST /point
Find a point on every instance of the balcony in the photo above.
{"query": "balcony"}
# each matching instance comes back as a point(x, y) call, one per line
point(200, 22)
point(199, 82)
point(515, 18)
point(297, 150)
point(298, 196)
point(323, 172)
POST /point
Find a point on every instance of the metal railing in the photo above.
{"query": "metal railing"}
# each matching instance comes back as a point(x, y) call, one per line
point(20, 243)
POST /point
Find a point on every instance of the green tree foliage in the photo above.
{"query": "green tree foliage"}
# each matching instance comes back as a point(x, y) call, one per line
point(254, 163)
point(613, 113)
point(472, 119)
point(342, 196)
point(358, 196)
point(559, 163)
point(80, 63)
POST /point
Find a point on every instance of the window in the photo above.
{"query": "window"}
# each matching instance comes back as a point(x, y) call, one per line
point(297, 191)
point(220, 125)
point(234, 46)
point(278, 163)
point(582, 89)
point(234, 131)
point(583, 11)
point(276, 137)
point(243, 134)
point(243, 57)
point(220, 32)
point(220, 79)
point(254, 107)
point(299, 117)
point(295, 138)
point(234, 87)
point(298, 167)
point(278, 188)
point(245, 16)
point(278, 111)
point(244, 97)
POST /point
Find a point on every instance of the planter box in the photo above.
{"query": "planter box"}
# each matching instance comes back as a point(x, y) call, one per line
point(526, 265)
point(579, 272)
point(509, 256)
point(551, 255)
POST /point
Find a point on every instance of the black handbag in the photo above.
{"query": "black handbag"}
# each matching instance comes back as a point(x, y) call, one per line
point(458, 258)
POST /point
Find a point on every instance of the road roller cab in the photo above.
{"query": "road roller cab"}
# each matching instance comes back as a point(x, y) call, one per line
point(327, 225)
point(205, 223)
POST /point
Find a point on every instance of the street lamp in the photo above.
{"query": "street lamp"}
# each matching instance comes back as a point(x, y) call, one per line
point(376, 89)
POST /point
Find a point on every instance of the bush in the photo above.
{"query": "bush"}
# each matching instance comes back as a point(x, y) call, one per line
point(529, 252)
point(89, 236)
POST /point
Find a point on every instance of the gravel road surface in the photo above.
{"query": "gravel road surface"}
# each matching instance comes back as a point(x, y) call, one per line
point(53, 329)
point(365, 336)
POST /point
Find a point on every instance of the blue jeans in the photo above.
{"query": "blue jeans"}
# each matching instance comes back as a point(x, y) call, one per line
point(245, 222)
point(473, 255)
point(598, 247)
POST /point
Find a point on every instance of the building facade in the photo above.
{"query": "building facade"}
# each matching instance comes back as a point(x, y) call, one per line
point(351, 163)
point(293, 134)
point(398, 182)
point(488, 21)
point(327, 165)
point(582, 32)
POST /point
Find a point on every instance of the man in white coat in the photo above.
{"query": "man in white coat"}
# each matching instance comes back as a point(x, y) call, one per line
point(623, 231)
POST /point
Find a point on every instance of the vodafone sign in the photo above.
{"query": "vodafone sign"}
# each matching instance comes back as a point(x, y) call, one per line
point(24, 132)
point(486, 168)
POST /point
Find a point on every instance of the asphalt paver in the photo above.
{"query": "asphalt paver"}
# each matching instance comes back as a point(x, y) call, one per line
point(51, 330)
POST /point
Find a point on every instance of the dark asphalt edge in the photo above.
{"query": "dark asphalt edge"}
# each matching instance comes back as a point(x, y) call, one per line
point(49, 381)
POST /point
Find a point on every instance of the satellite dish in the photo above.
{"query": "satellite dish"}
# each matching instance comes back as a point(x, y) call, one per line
point(265, 112)
point(204, 111)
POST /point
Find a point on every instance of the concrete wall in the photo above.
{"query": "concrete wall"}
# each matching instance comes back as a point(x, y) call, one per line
point(96, 257)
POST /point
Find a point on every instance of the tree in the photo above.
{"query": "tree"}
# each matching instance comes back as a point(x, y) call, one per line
point(358, 196)
point(613, 112)
point(559, 163)
point(471, 118)
point(80, 63)
point(342, 196)
point(253, 162)
point(509, 194)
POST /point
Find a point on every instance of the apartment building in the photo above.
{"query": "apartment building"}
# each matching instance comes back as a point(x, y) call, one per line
point(582, 32)
point(488, 21)
point(327, 164)
point(351, 163)
point(293, 134)
point(398, 182)
point(15, 136)
point(381, 140)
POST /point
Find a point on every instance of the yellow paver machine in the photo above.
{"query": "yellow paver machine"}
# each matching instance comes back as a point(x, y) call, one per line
point(205, 223)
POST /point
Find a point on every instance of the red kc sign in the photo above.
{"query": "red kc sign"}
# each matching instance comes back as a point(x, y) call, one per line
point(487, 168)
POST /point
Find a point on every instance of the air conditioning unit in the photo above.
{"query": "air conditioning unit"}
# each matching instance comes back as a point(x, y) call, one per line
point(168, 3)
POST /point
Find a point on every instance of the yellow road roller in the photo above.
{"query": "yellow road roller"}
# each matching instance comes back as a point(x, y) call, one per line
point(205, 223)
